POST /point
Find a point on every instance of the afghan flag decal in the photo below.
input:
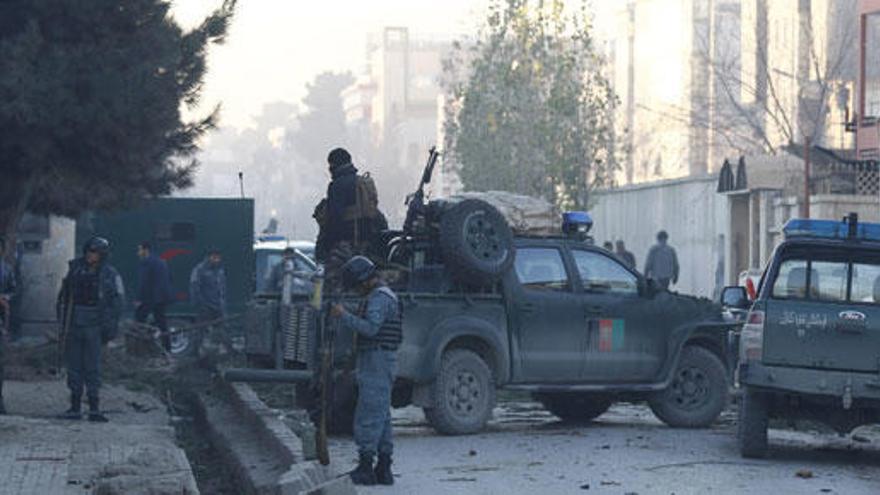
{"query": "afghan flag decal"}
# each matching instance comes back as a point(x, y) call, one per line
point(611, 335)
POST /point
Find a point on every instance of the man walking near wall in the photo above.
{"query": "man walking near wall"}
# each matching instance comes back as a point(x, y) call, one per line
point(154, 291)
point(625, 255)
point(662, 263)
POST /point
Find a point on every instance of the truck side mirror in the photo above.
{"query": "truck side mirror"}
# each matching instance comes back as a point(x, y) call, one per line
point(735, 297)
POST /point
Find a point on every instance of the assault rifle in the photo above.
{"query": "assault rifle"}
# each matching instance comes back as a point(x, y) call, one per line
point(325, 374)
point(415, 202)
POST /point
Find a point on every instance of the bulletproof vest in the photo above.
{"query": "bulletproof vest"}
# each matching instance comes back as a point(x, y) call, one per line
point(391, 332)
point(86, 288)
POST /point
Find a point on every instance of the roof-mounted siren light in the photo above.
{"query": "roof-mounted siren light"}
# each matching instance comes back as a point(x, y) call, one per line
point(852, 223)
point(577, 224)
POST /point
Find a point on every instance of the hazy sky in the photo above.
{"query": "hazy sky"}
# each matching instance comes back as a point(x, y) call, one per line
point(275, 47)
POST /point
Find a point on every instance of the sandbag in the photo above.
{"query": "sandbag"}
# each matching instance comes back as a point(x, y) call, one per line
point(526, 216)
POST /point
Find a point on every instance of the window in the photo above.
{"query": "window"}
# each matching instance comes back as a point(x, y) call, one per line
point(865, 283)
point(541, 268)
point(827, 280)
point(600, 273)
point(791, 281)
point(175, 232)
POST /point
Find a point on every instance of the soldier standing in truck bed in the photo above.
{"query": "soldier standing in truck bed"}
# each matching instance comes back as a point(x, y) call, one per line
point(349, 218)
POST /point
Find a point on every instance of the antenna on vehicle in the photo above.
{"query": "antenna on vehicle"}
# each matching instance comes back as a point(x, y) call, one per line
point(241, 183)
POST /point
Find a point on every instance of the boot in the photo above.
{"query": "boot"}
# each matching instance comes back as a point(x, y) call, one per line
point(95, 415)
point(74, 412)
point(363, 473)
point(384, 476)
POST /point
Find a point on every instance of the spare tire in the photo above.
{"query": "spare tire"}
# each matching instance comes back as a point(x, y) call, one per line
point(476, 242)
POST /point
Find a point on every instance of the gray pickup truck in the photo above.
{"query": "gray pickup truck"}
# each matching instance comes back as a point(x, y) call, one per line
point(552, 315)
point(571, 324)
point(568, 322)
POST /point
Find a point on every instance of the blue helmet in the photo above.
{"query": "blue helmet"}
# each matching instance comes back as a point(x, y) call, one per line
point(356, 271)
point(98, 245)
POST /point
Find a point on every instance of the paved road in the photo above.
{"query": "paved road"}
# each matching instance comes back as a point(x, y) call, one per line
point(627, 451)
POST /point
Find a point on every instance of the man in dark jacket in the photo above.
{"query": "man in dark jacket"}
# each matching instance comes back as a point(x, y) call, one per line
point(625, 255)
point(662, 263)
point(89, 304)
point(154, 290)
point(207, 291)
point(343, 232)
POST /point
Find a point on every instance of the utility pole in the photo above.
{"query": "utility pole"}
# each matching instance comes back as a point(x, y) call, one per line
point(806, 177)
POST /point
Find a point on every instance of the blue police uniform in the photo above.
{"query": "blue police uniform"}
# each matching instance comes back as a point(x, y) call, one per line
point(91, 301)
point(379, 333)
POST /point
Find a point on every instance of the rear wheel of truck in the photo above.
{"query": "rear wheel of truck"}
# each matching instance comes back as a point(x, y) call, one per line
point(575, 407)
point(463, 395)
point(752, 425)
point(476, 242)
point(698, 392)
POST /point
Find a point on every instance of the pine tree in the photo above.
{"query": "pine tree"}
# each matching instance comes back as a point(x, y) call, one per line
point(90, 103)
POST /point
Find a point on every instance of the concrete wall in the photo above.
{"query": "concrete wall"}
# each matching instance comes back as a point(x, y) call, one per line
point(42, 271)
point(691, 212)
point(835, 207)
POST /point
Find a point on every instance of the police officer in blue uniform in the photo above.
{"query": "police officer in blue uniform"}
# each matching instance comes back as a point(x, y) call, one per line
point(90, 303)
point(379, 333)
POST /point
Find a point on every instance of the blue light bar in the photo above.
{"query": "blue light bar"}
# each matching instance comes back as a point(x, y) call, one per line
point(576, 222)
point(830, 229)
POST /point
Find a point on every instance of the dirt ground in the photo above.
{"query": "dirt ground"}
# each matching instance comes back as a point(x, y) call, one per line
point(626, 451)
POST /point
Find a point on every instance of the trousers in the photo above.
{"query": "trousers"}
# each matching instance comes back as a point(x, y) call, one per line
point(372, 415)
point(158, 310)
point(83, 356)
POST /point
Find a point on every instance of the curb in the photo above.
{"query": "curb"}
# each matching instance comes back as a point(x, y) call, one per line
point(293, 474)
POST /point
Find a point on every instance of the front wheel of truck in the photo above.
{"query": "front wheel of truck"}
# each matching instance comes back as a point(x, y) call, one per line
point(698, 392)
point(463, 396)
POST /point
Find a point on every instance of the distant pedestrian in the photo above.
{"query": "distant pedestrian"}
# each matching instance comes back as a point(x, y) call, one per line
point(662, 263)
point(7, 290)
point(379, 332)
point(625, 255)
point(154, 290)
point(607, 246)
point(89, 303)
point(207, 292)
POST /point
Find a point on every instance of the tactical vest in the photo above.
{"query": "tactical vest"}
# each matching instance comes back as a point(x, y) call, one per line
point(86, 287)
point(390, 333)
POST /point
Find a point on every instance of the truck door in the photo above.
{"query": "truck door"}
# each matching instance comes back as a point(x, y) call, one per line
point(547, 317)
point(617, 340)
point(823, 312)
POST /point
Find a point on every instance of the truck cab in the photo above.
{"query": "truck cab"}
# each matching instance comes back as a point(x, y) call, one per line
point(810, 346)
